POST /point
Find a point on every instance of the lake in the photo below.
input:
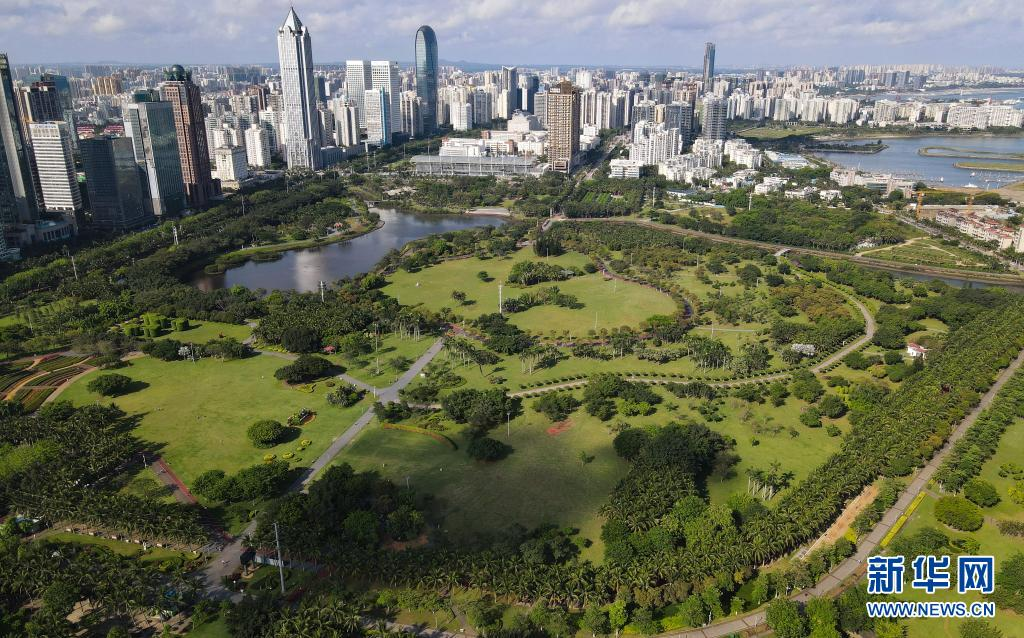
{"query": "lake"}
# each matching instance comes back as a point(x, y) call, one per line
point(304, 269)
point(901, 158)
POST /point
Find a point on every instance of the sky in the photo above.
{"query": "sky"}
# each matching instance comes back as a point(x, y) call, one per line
point(671, 33)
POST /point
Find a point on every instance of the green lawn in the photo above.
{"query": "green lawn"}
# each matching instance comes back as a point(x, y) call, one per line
point(198, 412)
point(542, 481)
point(607, 304)
point(1011, 449)
point(929, 251)
point(203, 331)
point(391, 346)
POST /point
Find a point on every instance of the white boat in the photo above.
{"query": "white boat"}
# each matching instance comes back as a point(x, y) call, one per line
point(970, 185)
point(973, 173)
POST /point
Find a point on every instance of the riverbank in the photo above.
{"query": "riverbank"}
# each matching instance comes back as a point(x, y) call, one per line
point(1009, 167)
point(270, 252)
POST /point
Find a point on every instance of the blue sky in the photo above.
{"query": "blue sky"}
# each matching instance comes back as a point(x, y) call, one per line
point(598, 32)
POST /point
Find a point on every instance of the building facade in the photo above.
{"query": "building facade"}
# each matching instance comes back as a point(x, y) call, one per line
point(426, 76)
point(117, 195)
point(17, 195)
point(563, 123)
point(301, 122)
point(190, 124)
point(149, 124)
point(55, 167)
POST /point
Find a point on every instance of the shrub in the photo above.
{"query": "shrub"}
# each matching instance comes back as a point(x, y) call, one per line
point(345, 395)
point(111, 385)
point(212, 484)
point(164, 349)
point(959, 513)
point(228, 348)
point(265, 433)
point(811, 417)
point(483, 448)
point(981, 492)
point(806, 386)
point(304, 369)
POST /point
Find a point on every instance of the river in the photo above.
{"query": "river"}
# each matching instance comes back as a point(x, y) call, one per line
point(304, 269)
point(901, 158)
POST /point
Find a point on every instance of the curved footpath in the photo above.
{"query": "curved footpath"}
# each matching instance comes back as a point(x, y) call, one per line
point(879, 264)
point(869, 331)
point(850, 570)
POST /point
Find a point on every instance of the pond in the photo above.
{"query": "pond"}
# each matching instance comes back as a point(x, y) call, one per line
point(304, 269)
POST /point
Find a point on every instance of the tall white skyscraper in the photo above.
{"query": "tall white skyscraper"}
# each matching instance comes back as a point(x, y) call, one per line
point(301, 121)
point(257, 146)
point(378, 117)
point(384, 76)
point(58, 182)
point(357, 82)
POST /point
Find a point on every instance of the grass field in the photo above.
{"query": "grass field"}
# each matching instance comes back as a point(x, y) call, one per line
point(197, 413)
point(544, 479)
point(928, 251)
point(1012, 167)
point(203, 331)
point(153, 554)
point(365, 368)
point(607, 304)
point(1011, 449)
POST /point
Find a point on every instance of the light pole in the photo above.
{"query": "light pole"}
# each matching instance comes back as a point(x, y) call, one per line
point(280, 563)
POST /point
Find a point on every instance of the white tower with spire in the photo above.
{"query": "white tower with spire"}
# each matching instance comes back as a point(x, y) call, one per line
point(301, 122)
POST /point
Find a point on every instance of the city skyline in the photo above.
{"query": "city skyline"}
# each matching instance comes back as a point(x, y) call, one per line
point(594, 32)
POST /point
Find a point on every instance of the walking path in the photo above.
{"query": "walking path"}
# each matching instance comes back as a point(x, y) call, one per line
point(229, 559)
point(166, 475)
point(850, 570)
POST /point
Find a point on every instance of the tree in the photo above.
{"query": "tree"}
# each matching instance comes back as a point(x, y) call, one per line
point(959, 513)
point(300, 339)
point(594, 620)
point(304, 369)
point(785, 619)
point(111, 385)
point(806, 386)
point(981, 492)
point(978, 628)
point(163, 349)
point(832, 406)
point(265, 433)
point(630, 442)
point(618, 615)
point(822, 618)
point(556, 405)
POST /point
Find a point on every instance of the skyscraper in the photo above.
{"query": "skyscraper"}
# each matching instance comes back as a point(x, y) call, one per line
point(509, 91)
point(384, 75)
point(116, 193)
point(149, 123)
point(55, 167)
point(709, 65)
point(378, 117)
point(426, 76)
point(301, 121)
point(357, 82)
point(712, 118)
point(563, 123)
point(17, 197)
point(190, 124)
point(40, 102)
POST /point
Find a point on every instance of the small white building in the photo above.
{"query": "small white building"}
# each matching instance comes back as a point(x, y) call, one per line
point(914, 350)
point(231, 163)
point(625, 168)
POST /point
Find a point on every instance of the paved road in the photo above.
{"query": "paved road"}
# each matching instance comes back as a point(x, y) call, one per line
point(852, 568)
point(228, 560)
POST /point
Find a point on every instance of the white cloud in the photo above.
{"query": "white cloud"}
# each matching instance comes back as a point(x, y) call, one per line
point(668, 32)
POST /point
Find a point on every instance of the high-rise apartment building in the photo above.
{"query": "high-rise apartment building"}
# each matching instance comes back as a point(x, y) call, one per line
point(190, 123)
point(412, 114)
point(426, 76)
point(357, 82)
point(709, 65)
point(55, 167)
point(384, 76)
point(149, 124)
point(712, 118)
point(301, 121)
point(17, 196)
point(107, 85)
point(508, 91)
point(563, 123)
point(116, 193)
point(257, 146)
